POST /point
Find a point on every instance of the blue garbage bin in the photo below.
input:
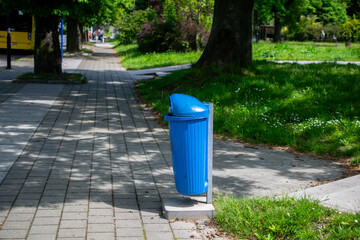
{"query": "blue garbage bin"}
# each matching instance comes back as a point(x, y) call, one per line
point(188, 122)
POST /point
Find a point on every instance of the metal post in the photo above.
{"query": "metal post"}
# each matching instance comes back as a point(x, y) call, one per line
point(210, 154)
point(8, 44)
point(62, 39)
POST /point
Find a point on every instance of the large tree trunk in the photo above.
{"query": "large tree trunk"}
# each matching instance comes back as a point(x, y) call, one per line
point(47, 56)
point(277, 30)
point(230, 39)
point(74, 38)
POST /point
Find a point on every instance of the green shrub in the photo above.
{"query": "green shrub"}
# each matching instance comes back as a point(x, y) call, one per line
point(130, 25)
point(352, 30)
point(161, 36)
point(312, 32)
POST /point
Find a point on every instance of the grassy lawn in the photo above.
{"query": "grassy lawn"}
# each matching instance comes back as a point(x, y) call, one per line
point(311, 108)
point(306, 51)
point(284, 218)
point(131, 58)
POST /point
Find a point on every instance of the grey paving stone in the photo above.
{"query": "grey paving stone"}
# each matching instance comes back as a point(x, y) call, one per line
point(101, 212)
point(72, 238)
point(20, 217)
point(157, 227)
point(182, 225)
point(19, 225)
point(52, 229)
point(7, 198)
point(100, 228)
point(80, 208)
point(74, 216)
point(159, 235)
point(100, 236)
point(129, 232)
point(46, 221)
point(71, 233)
point(41, 236)
point(77, 224)
point(128, 223)
point(21, 210)
point(150, 212)
point(155, 219)
point(4, 212)
point(127, 216)
point(101, 205)
point(186, 234)
point(48, 213)
point(101, 219)
point(12, 234)
point(130, 238)
point(52, 206)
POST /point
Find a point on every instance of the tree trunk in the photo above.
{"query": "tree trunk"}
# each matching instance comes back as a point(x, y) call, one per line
point(74, 41)
point(230, 40)
point(47, 56)
point(85, 34)
point(197, 36)
point(277, 30)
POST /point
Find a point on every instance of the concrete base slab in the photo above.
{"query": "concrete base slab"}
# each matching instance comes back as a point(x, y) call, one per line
point(187, 208)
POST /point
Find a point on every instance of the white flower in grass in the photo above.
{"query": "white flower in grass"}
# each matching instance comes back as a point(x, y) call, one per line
point(288, 214)
point(356, 221)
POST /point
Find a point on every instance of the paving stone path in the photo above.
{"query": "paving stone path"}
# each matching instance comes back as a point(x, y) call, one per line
point(96, 165)
point(85, 172)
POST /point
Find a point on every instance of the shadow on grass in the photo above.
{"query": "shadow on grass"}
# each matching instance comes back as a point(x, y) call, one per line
point(312, 108)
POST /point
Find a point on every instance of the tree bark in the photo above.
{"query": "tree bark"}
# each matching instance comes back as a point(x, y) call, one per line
point(85, 34)
point(277, 30)
point(230, 40)
point(74, 41)
point(47, 56)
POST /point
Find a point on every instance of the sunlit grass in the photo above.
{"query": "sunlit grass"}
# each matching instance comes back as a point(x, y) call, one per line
point(131, 58)
point(306, 51)
point(311, 108)
point(284, 218)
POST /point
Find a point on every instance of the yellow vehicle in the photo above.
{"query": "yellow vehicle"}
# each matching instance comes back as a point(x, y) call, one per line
point(22, 31)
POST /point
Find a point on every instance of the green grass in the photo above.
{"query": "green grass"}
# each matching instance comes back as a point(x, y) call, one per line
point(131, 58)
point(311, 108)
point(306, 51)
point(285, 218)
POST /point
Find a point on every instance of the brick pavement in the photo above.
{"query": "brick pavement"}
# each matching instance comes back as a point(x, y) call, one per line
point(95, 168)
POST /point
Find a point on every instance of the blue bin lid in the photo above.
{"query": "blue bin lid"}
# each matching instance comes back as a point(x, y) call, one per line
point(181, 105)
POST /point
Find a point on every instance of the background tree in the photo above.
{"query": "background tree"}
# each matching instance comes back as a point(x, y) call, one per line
point(198, 13)
point(230, 39)
point(353, 8)
point(85, 13)
point(281, 13)
point(328, 11)
point(141, 4)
